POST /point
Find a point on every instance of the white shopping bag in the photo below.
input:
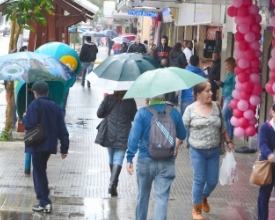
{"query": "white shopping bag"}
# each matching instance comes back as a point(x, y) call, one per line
point(228, 171)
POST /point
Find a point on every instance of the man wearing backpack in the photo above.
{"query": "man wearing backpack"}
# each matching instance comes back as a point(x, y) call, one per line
point(157, 133)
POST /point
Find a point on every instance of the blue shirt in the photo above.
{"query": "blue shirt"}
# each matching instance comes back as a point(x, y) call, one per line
point(139, 135)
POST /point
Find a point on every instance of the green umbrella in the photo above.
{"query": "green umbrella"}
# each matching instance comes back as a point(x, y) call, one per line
point(118, 72)
point(160, 81)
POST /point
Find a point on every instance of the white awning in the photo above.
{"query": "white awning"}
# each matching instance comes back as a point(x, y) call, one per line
point(87, 5)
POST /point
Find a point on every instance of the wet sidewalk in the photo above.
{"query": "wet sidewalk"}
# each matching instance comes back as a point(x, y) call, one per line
point(78, 185)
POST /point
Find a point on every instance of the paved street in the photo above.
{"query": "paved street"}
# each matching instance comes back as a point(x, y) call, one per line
point(79, 184)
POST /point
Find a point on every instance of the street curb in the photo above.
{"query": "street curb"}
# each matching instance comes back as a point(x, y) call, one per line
point(12, 144)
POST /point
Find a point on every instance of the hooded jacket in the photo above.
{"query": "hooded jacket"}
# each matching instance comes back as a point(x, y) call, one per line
point(178, 59)
point(162, 51)
point(88, 52)
point(117, 122)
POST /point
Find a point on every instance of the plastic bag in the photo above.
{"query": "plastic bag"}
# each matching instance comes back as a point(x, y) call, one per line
point(228, 171)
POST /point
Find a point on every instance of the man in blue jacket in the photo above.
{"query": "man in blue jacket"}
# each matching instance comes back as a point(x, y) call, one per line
point(54, 125)
point(161, 171)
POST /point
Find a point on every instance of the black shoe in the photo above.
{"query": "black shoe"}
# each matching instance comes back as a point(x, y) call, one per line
point(82, 84)
point(89, 86)
point(45, 209)
point(114, 180)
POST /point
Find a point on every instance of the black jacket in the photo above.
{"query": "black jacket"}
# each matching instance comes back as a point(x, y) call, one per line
point(117, 123)
point(178, 59)
point(137, 48)
point(214, 73)
point(88, 52)
point(162, 52)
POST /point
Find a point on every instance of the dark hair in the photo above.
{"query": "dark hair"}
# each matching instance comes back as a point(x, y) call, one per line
point(88, 39)
point(118, 95)
point(216, 52)
point(176, 48)
point(194, 60)
point(199, 88)
point(23, 48)
point(145, 42)
point(165, 61)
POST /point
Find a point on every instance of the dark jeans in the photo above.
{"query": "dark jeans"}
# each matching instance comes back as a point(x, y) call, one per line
point(40, 180)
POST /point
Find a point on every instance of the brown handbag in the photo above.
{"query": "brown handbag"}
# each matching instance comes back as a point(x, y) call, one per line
point(261, 173)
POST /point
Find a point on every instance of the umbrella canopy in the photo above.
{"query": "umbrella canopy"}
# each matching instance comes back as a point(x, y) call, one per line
point(160, 81)
point(93, 34)
point(129, 36)
point(31, 67)
point(118, 72)
point(109, 33)
point(120, 40)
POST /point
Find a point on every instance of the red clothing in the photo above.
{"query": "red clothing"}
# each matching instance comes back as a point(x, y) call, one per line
point(116, 46)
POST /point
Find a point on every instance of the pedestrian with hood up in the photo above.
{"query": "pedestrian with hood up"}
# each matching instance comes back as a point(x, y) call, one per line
point(163, 50)
point(87, 56)
point(177, 57)
point(55, 128)
point(118, 115)
point(124, 47)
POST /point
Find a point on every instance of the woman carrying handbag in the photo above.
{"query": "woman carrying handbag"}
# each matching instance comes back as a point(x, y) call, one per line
point(113, 131)
point(267, 145)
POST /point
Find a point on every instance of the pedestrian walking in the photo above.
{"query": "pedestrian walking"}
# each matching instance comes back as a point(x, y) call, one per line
point(202, 120)
point(87, 56)
point(55, 128)
point(149, 170)
point(214, 73)
point(227, 88)
point(124, 47)
point(188, 50)
point(186, 97)
point(177, 57)
point(163, 50)
point(267, 147)
point(114, 130)
point(137, 47)
point(116, 48)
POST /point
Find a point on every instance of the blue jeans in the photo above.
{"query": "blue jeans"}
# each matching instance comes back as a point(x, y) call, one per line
point(184, 104)
point(227, 115)
point(40, 180)
point(205, 164)
point(87, 67)
point(162, 172)
point(116, 155)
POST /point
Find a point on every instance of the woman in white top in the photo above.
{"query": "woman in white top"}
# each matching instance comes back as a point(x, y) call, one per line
point(202, 119)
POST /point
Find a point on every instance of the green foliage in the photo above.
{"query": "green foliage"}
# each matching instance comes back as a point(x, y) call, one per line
point(36, 75)
point(75, 38)
point(24, 11)
point(6, 135)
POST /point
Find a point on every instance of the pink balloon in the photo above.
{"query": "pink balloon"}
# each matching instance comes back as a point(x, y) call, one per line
point(248, 114)
point(236, 94)
point(256, 28)
point(244, 96)
point(236, 3)
point(273, 51)
point(239, 132)
point(255, 62)
point(249, 54)
point(250, 131)
point(250, 19)
point(242, 105)
point(238, 70)
point(244, 63)
point(243, 28)
point(255, 45)
point(239, 20)
point(238, 86)
point(271, 63)
point(258, 53)
point(253, 9)
point(250, 37)
point(255, 100)
point(238, 54)
point(234, 121)
point(268, 87)
point(258, 18)
point(273, 87)
point(233, 103)
point(254, 78)
point(253, 121)
point(257, 89)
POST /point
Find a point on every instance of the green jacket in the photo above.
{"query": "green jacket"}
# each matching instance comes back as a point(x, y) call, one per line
point(228, 85)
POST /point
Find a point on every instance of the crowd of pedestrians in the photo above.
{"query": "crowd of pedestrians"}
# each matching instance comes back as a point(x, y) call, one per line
point(126, 130)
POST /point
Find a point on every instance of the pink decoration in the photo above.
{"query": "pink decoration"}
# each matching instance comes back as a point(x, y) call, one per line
point(255, 100)
point(238, 70)
point(238, 54)
point(242, 105)
point(249, 54)
point(268, 87)
point(273, 88)
point(256, 28)
point(254, 78)
point(247, 2)
point(237, 3)
point(239, 36)
point(273, 21)
point(250, 19)
point(258, 54)
point(250, 130)
point(233, 103)
point(272, 75)
point(255, 62)
point(243, 28)
point(236, 94)
point(273, 50)
point(254, 10)
point(273, 43)
point(257, 89)
point(243, 122)
point(243, 77)
point(232, 11)
point(239, 20)
point(271, 63)
point(258, 18)
point(238, 86)
point(247, 87)
point(248, 114)
point(234, 121)
point(253, 121)
point(242, 11)
point(244, 63)
point(239, 132)
point(244, 96)
point(255, 45)
point(243, 45)
point(237, 113)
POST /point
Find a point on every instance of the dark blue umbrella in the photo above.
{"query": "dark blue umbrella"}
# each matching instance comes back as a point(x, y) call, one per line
point(110, 33)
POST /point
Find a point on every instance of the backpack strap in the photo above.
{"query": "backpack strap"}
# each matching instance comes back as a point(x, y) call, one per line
point(154, 112)
point(168, 109)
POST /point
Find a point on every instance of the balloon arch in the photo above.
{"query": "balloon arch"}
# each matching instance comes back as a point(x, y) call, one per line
point(246, 95)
